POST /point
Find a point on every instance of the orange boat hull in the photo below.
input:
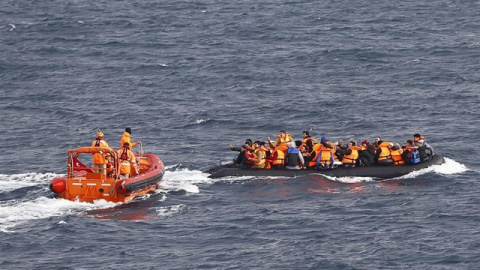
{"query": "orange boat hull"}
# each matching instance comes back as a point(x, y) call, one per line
point(87, 186)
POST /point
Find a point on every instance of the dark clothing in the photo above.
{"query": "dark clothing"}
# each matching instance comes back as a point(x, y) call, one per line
point(241, 158)
point(366, 157)
point(237, 149)
point(291, 157)
point(309, 146)
point(340, 152)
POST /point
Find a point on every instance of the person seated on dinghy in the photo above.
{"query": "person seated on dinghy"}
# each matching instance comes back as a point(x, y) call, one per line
point(366, 157)
point(351, 155)
point(258, 161)
point(100, 159)
point(410, 154)
point(383, 155)
point(282, 139)
point(426, 151)
point(241, 158)
point(375, 142)
point(324, 155)
point(278, 157)
point(307, 146)
point(293, 158)
point(396, 153)
point(127, 137)
point(341, 150)
point(127, 161)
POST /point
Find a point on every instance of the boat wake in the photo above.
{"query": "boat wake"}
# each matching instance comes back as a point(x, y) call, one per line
point(18, 207)
point(450, 167)
point(36, 204)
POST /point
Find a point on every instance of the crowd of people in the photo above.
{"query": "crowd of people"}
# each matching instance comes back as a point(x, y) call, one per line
point(126, 158)
point(285, 152)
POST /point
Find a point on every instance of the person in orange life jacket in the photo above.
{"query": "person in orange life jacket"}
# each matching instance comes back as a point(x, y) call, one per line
point(383, 154)
point(100, 159)
point(127, 137)
point(324, 157)
point(241, 158)
point(293, 158)
point(396, 153)
point(307, 146)
point(410, 153)
point(127, 161)
point(260, 153)
point(282, 139)
point(351, 155)
point(426, 151)
point(278, 156)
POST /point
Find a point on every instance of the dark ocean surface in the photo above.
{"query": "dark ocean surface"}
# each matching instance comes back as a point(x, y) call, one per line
point(191, 76)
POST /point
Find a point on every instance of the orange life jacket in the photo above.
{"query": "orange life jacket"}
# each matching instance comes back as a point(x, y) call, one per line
point(397, 157)
point(268, 159)
point(352, 158)
point(304, 145)
point(385, 151)
point(256, 154)
point(283, 141)
point(278, 158)
point(323, 156)
point(248, 155)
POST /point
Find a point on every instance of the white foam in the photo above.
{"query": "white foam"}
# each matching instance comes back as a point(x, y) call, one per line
point(349, 180)
point(16, 181)
point(184, 179)
point(14, 213)
point(171, 210)
point(199, 121)
point(449, 167)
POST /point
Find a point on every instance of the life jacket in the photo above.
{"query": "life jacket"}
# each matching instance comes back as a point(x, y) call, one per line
point(284, 141)
point(397, 157)
point(413, 154)
point(268, 158)
point(125, 166)
point(278, 158)
point(352, 157)
point(262, 161)
point(385, 151)
point(324, 158)
point(292, 157)
point(304, 145)
point(248, 155)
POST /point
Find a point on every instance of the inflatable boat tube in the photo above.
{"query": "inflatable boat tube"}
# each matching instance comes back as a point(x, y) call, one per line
point(375, 171)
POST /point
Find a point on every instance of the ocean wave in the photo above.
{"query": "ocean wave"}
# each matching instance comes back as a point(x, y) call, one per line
point(9, 183)
point(14, 213)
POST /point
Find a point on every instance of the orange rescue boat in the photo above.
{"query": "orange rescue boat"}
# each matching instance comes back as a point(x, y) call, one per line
point(83, 184)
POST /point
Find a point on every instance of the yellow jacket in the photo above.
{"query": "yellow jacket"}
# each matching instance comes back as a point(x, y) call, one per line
point(126, 137)
point(97, 157)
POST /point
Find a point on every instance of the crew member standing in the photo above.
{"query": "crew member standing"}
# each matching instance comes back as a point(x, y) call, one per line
point(100, 159)
point(127, 137)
